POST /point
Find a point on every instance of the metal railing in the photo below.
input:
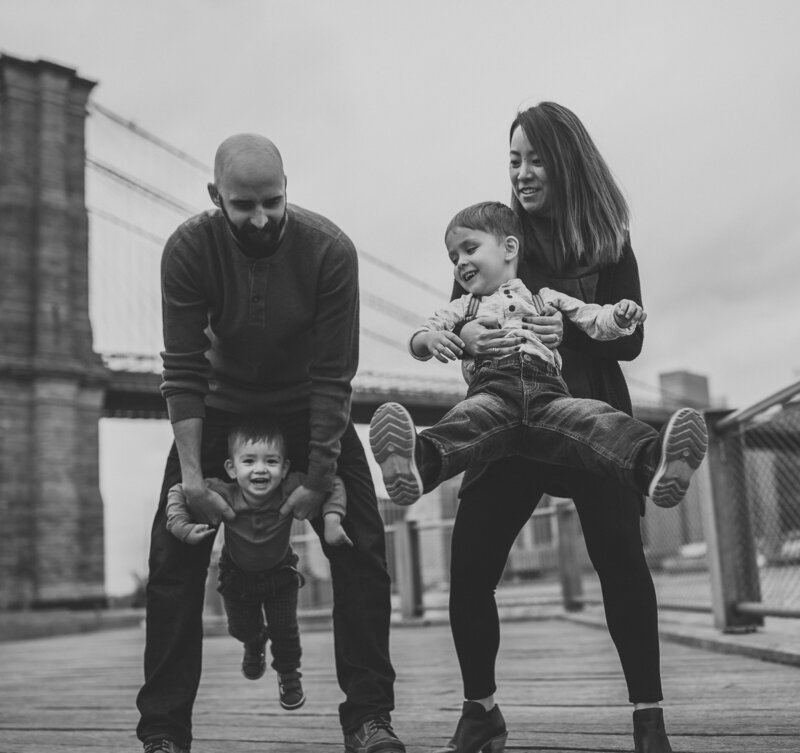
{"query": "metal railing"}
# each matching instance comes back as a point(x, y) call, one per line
point(418, 559)
point(753, 522)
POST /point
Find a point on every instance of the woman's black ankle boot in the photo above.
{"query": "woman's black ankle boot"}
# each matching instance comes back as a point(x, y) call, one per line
point(649, 735)
point(478, 730)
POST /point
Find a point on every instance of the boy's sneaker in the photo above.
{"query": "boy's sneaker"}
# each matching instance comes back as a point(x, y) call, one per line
point(683, 446)
point(254, 661)
point(163, 745)
point(392, 437)
point(373, 736)
point(291, 690)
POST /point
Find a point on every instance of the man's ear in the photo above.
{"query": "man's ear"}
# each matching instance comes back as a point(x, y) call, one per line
point(214, 194)
point(512, 247)
point(229, 467)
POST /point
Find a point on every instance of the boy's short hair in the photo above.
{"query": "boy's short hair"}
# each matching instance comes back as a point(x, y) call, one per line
point(256, 428)
point(489, 217)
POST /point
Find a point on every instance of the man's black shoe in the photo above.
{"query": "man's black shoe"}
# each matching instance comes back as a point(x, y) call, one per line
point(373, 736)
point(163, 745)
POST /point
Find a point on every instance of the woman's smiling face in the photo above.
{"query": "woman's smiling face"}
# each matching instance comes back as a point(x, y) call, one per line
point(528, 177)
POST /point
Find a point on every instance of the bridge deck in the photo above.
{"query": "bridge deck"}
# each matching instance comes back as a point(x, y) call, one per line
point(560, 689)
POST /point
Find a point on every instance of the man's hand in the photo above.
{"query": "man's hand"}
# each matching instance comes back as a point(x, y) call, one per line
point(207, 505)
point(199, 532)
point(302, 503)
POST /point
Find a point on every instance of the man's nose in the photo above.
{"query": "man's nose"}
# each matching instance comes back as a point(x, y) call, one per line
point(259, 219)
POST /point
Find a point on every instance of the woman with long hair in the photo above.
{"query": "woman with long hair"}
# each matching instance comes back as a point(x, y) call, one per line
point(575, 240)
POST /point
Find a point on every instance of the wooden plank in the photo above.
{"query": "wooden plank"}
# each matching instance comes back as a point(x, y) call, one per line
point(560, 688)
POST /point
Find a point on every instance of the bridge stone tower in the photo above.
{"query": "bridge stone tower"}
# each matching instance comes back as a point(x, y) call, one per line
point(51, 381)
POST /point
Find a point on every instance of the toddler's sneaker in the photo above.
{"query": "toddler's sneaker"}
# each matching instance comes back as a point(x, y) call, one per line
point(254, 661)
point(683, 446)
point(290, 690)
point(392, 437)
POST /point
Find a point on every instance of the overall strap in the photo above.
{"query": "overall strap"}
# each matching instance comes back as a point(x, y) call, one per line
point(538, 303)
point(472, 308)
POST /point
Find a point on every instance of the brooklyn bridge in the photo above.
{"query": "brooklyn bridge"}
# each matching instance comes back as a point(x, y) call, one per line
point(81, 329)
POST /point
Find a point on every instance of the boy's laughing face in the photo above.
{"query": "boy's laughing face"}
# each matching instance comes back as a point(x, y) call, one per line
point(482, 262)
point(258, 468)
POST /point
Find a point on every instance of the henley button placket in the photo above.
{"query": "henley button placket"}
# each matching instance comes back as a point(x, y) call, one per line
point(258, 289)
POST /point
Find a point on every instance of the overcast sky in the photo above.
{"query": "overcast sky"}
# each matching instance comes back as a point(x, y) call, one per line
point(392, 115)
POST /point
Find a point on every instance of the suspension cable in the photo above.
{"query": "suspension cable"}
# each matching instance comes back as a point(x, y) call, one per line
point(151, 137)
point(125, 225)
point(142, 188)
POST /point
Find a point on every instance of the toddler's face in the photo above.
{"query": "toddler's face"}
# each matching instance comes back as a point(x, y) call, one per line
point(258, 468)
point(481, 261)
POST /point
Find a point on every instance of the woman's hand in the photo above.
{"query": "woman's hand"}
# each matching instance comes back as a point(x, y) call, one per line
point(549, 327)
point(483, 338)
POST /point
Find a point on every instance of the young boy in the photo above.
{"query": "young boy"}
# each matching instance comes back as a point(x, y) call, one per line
point(518, 404)
point(258, 578)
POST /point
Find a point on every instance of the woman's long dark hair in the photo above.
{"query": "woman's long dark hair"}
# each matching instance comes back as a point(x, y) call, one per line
point(589, 214)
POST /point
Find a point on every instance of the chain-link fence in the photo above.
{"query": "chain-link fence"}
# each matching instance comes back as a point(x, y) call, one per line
point(770, 480)
point(755, 510)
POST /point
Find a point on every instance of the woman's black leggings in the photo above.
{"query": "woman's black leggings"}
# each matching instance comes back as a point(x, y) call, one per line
point(495, 504)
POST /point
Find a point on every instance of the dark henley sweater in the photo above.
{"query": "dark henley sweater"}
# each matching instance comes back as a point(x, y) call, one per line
point(277, 334)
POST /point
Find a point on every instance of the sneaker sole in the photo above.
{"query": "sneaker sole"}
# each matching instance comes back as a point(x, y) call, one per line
point(392, 437)
point(683, 449)
point(293, 706)
point(254, 677)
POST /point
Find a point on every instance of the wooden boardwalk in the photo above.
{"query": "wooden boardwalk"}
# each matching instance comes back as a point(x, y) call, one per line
point(561, 691)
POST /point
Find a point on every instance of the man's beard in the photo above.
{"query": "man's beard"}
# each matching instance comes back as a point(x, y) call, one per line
point(251, 240)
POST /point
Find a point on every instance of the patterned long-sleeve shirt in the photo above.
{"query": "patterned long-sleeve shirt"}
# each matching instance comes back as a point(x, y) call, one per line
point(512, 301)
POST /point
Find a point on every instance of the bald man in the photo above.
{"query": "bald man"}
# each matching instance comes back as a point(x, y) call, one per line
point(260, 315)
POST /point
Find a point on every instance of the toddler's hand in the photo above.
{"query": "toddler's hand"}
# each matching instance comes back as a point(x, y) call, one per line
point(335, 535)
point(628, 312)
point(338, 538)
point(199, 532)
point(444, 346)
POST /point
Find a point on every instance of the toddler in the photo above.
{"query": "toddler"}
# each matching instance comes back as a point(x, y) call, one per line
point(258, 577)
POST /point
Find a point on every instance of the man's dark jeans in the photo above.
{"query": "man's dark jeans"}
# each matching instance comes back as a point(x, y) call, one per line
point(519, 405)
point(176, 587)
